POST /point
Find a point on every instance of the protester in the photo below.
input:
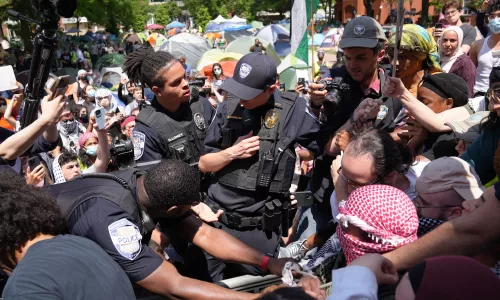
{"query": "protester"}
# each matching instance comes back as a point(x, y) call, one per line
point(9, 110)
point(481, 51)
point(87, 98)
point(70, 130)
point(138, 100)
point(257, 47)
point(418, 55)
point(454, 60)
point(128, 126)
point(452, 12)
point(21, 64)
point(104, 99)
point(187, 68)
point(216, 80)
point(130, 86)
point(42, 260)
point(65, 166)
point(94, 155)
point(319, 62)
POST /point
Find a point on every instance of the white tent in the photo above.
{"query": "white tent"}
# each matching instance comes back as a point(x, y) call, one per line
point(192, 46)
point(220, 19)
point(237, 19)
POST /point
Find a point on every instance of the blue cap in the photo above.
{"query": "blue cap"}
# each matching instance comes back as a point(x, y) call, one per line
point(254, 73)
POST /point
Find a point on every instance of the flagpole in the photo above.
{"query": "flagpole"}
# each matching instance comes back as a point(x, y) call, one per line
point(312, 38)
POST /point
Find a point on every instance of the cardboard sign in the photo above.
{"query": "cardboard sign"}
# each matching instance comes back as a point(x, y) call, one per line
point(7, 79)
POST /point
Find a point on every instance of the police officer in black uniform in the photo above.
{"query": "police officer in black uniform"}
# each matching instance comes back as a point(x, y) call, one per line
point(119, 210)
point(175, 124)
point(250, 146)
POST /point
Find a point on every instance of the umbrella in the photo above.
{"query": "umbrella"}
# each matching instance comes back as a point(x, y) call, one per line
point(110, 60)
point(154, 26)
point(318, 39)
point(216, 55)
point(227, 68)
point(257, 24)
point(176, 24)
point(273, 33)
point(71, 72)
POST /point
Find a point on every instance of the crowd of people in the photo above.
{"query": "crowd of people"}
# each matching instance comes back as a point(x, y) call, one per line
point(382, 186)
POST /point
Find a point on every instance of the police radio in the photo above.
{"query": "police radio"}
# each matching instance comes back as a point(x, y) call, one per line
point(266, 168)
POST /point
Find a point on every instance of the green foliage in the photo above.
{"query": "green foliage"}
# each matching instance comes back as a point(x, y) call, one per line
point(202, 16)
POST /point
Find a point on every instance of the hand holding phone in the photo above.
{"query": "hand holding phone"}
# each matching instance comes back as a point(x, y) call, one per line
point(100, 118)
point(34, 162)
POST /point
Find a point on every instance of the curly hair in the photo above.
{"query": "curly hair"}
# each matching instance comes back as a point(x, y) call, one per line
point(388, 155)
point(25, 213)
point(145, 66)
point(171, 183)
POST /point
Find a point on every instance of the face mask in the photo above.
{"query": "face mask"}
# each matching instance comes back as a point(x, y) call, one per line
point(91, 94)
point(495, 26)
point(218, 72)
point(91, 150)
point(84, 118)
point(69, 126)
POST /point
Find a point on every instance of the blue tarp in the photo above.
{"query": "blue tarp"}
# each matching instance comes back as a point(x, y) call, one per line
point(283, 48)
point(175, 24)
point(224, 26)
point(242, 27)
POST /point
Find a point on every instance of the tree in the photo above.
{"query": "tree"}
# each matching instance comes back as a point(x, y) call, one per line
point(202, 16)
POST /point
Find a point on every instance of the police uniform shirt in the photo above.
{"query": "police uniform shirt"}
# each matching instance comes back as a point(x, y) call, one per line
point(147, 143)
point(113, 229)
point(300, 124)
point(40, 146)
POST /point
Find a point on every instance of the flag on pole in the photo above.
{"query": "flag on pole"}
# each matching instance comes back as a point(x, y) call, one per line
point(301, 16)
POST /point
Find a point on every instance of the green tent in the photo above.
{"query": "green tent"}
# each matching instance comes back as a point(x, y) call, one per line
point(243, 44)
point(110, 60)
point(291, 75)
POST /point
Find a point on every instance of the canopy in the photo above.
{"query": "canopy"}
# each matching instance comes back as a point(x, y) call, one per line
point(257, 24)
point(110, 60)
point(318, 39)
point(176, 24)
point(192, 46)
point(327, 42)
point(220, 19)
point(227, 68)
point(288, 61)
point(237, 19)
point(154, 26)
point(273, 33)
point(241, 27)
point(216, 55)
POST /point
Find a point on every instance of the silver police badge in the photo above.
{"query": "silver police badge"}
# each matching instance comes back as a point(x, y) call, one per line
point(126, 238)
point(199, 121)
point(139, 139)
point(245, 70)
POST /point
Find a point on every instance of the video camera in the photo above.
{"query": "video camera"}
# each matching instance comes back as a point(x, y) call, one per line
point(63, 8)
point(335, 87)
point(198, 82)
point(122, 153)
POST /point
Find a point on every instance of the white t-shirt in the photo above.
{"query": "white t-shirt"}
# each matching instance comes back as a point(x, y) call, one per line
point(412, 175)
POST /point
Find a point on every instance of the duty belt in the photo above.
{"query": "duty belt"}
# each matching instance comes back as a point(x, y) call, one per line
point(234, 220)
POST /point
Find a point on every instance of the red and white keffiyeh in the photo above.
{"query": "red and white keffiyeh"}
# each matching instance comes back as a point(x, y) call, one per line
point(385, 213)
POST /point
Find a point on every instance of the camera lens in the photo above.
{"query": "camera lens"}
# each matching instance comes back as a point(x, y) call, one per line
point(65, 8)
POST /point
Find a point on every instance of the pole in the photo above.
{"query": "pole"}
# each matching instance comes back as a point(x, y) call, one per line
point(312, 38)
point(399, 33)
point(291, 27)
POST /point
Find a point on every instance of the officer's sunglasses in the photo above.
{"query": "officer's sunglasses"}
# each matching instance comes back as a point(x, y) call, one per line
point(354, 184)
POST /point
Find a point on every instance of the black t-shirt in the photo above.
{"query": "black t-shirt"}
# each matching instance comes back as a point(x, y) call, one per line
point(67, 267)
point(108, 225)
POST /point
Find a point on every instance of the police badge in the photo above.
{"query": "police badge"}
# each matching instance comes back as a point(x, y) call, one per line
point(199, 121)
point(382, 113)
point(139, 139)
point(126, 238)
point(271, 119)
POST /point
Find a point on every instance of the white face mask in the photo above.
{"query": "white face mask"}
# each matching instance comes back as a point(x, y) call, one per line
point(218, 71)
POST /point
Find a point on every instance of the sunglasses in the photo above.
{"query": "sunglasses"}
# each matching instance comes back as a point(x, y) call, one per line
point(354, 184)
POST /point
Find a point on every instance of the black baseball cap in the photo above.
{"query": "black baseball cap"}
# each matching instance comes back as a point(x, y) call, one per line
point(254, 73)
point(363, 32)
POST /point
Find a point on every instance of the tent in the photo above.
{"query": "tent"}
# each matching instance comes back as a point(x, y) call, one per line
point(220, 19)
point(257, 24)
point(291, 69)
point(227, 68)
point(327, 42)
point(176, 24)
point(273, 33)
point(216, 55)
point(188, 44)
point(242, 46)
point(233, 34)
point(318, 39)
point(109, 60)
point(237, 19)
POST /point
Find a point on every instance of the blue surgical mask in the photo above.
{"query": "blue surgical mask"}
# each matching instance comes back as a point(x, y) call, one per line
point(495, 26)
point(91, 94)
point(91, 150)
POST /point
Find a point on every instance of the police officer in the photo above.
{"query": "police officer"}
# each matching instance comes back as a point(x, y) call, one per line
point(119, 210)
point(250, 146)
point(175, 124)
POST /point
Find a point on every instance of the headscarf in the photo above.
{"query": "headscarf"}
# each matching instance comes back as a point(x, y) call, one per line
point(453, 277)
point(384, 212)
point(105, 93)
point(448, 61)
point(85, 137)
point(448, 85)
point(416, 39)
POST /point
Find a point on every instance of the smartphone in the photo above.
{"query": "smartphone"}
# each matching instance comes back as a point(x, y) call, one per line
point(282, 87)
point(62, 85)
point(301, 81)
point(439, 26)
point(304, 198)
point(100, 117)
point(34, 162)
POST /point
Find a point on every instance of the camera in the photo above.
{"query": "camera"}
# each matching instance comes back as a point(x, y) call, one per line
point(63, 8)
point(198, 81)
point(122, 153)
point(334, 87)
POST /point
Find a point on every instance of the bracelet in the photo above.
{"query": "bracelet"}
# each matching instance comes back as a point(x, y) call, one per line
point(263, 263)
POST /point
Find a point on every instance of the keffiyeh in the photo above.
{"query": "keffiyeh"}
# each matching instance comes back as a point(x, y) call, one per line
point(416, 39)
point(385, 213)
point(58, 174)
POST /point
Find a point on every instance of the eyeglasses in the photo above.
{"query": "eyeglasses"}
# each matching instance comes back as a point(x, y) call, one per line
point(353, 184)
point(451, 13)
point(420, 207)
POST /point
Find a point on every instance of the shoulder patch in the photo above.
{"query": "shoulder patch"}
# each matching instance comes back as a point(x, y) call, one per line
point(126, 237)
point(139, 139)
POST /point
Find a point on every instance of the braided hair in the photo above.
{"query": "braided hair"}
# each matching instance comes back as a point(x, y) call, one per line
point(144, 65)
